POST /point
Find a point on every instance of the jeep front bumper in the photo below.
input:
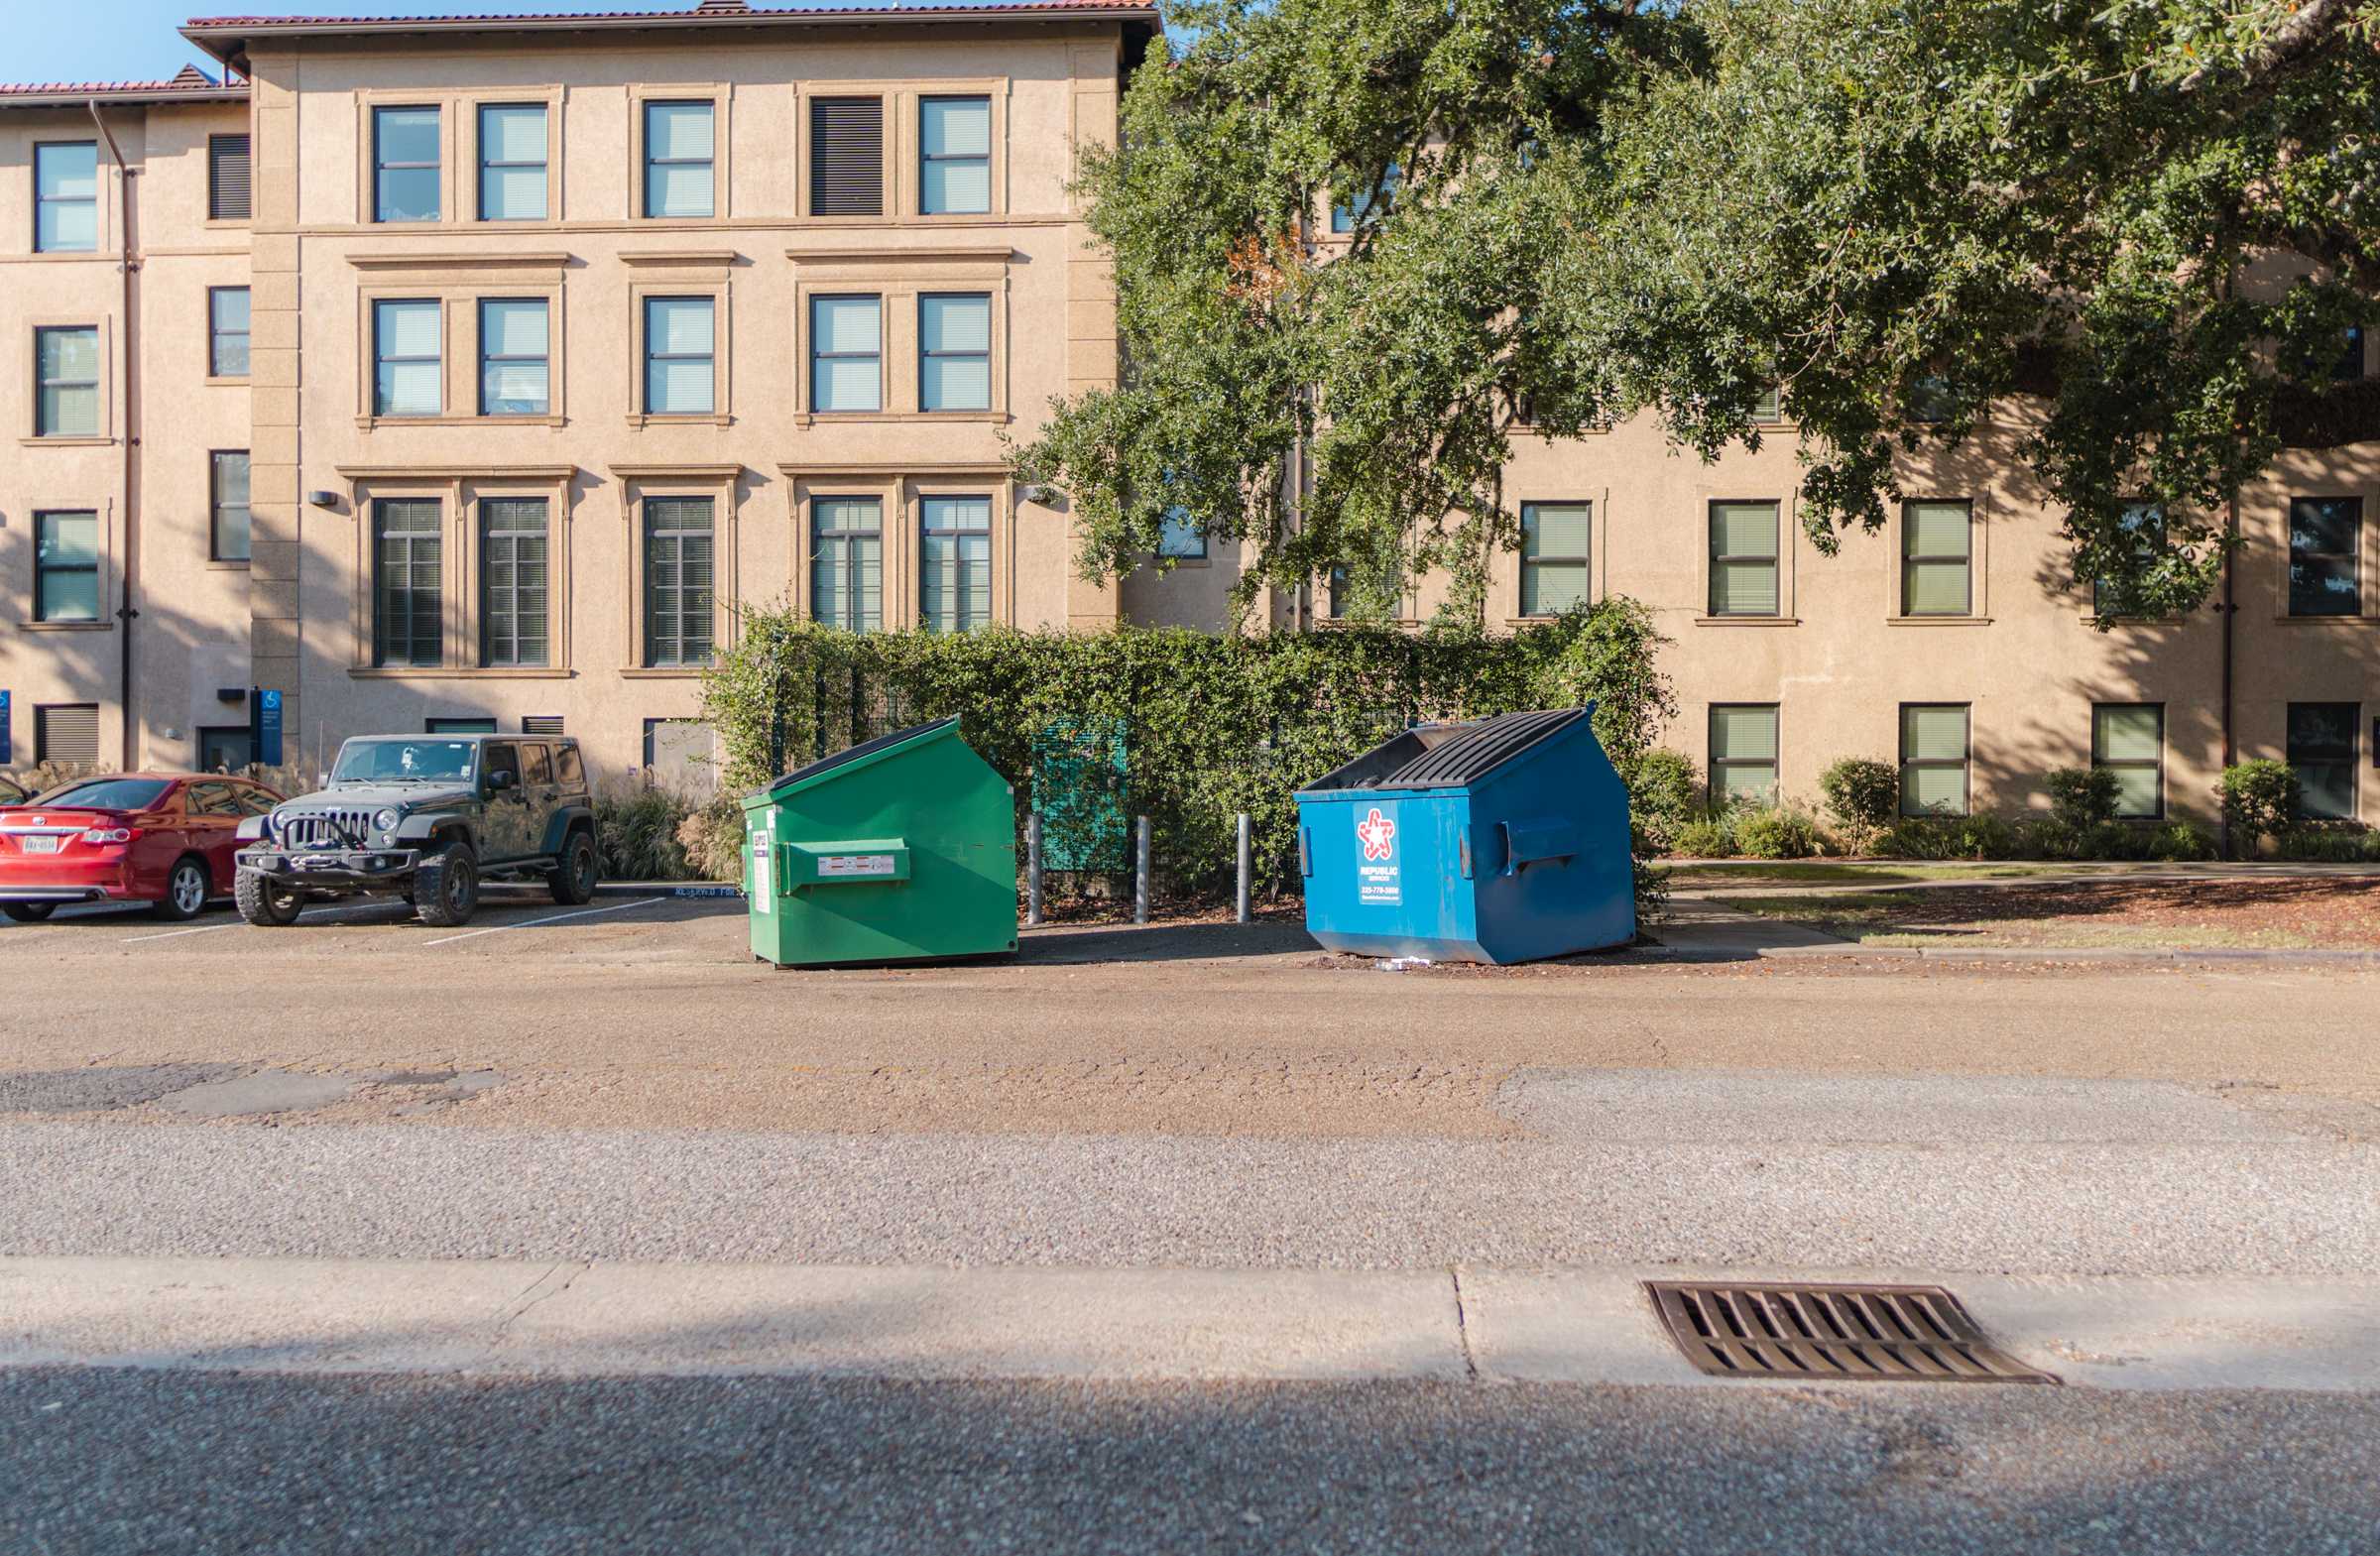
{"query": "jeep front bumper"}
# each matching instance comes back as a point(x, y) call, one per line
point(365, 867)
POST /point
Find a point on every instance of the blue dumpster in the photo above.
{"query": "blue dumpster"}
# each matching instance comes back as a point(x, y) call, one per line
point(1502, 840)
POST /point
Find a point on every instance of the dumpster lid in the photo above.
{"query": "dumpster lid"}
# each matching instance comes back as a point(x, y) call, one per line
point(1449, 756)
point(866, 749)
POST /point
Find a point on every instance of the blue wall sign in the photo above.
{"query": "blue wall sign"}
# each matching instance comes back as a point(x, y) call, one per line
point(6, 754)
point(265, 730)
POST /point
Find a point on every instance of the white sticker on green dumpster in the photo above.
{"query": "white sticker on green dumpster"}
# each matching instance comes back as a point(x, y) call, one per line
point(1380, 879)
point(764, 843)
point(846, 866)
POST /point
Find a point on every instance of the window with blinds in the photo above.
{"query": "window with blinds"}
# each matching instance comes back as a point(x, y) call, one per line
point(954, 564)
point(680, 362)
point(406, 159)
point(1743, 558)
point(512, 162)
point(67, 733)
point(2128, 740)
point(1934, 759)
point(847, 157)
point(1937, 559)
point(227, 504)
point(2321, 753)
point(66, 369)
point(847, 338)
point(677, 580)
point(2326, 546)
point(954, 152)
point(679, 154)
point(65, 567)
point(228, 182)
point(1553, 556)
point(227, 321)
point(847, 564)
point(65, 196)
point(407, 378)
point(407, 590)
point(1743, 754)
point(515, 357)
point(954, 351)
point(513, 583)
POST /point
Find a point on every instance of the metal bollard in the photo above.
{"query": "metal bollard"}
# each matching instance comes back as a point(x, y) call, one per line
point(1246, 865)
point(1140, 874)
point(1032, 871)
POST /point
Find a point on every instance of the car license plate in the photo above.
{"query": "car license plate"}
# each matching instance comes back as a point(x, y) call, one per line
point(39, 845)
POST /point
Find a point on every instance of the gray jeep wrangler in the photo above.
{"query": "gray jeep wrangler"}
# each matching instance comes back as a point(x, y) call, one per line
point(425, 817)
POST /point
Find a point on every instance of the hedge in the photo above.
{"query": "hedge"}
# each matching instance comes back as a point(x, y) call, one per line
point(1210, 724)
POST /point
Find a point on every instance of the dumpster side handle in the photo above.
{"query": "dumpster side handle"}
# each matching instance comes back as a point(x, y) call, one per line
point(1305, 852)
point(1537, 843)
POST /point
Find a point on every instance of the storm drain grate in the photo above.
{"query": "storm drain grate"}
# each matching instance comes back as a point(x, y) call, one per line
point(1832, 1333)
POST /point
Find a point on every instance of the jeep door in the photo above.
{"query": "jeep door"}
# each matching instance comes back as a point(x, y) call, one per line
point(537, 779)
point(510, 813)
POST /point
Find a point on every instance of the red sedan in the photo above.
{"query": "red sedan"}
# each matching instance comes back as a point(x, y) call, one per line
point(161, 838)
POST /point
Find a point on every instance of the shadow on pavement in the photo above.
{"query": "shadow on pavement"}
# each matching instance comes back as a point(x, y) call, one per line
point(1162, 942)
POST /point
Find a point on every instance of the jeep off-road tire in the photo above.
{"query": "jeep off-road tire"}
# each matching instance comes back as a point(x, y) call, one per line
point(186, 890)
point(446, 886)
point(575, 871)
point(263, 904)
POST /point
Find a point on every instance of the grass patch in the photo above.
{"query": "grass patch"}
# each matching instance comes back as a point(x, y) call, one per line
point(1854, 873)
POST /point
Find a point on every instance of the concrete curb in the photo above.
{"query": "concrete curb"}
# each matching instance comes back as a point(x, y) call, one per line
point(686, 889)
point(1562, 1326)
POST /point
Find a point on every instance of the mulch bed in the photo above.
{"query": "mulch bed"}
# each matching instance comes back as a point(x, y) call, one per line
point(2326, 914)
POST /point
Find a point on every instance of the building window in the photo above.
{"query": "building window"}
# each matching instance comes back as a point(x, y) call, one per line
point(1553, 556)
point(67, 732)
point(67, 381)
point(224, 748)
point(227, 504)
point(1743, 752)
point(1180, 534)
point(847, 354)
point(847, 157)
point(1743, 558)
point(954, 564)
point(1934, 759)
point(2350, 355)
point(515, 370)
point(677, 160)
point(2128, 740)
point(680, 754)
point(513, 580)
point(405, 164)
point(954, 344)
point(65, 197)
point(679, 361)
point(847, 563)
point(1349, 215)
point(2146, 523)
point(406, 371)
point(954, 171)
point(2325, 535)
point(2321, 753)
point(407, 586)
point(1768, 405)
point(65, 567)
point(677, 580)
point(1937, 553)
point(227, 181)
point(512, 162)
point(227, 331)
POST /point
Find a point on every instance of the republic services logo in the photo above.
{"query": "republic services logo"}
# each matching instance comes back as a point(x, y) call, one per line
point(1378, 834)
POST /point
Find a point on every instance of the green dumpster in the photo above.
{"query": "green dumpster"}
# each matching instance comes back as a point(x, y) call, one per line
point(900, 849)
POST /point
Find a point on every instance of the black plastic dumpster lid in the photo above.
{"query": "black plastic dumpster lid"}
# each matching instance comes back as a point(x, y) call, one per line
point(848, 753)
point(1474, 751)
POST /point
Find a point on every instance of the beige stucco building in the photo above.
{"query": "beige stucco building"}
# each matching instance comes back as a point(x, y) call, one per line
point(560, 335)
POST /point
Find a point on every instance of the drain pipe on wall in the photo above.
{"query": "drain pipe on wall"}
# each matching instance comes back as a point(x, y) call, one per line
point(2231, 610)
point(129, 333)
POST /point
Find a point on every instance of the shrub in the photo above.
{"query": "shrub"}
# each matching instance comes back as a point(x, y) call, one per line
point(1186, 728)
point(2083, 797)
point(1951, 837)
point(1709, 838)
point(713, 839)
point(2046, 837)
point(636, 832)
point(2335, 843)
point(2112, 840)
point(1663, 795)
point(2182, 840)
point(1862, 796)
point(2260, 800)
point(1775, 832)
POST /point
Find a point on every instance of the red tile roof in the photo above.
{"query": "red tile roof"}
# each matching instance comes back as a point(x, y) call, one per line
point(191, 82)
point(689, 13)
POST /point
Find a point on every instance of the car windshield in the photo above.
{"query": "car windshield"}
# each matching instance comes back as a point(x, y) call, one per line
point(105, 795)
point(402, 761)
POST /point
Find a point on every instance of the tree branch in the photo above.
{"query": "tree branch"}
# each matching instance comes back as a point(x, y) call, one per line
point(2306, 30)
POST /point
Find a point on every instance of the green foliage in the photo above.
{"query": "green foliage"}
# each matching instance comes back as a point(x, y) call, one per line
point(636, 833)
point(1215, 724)
point(2338, 843)
point(2260, 800)
point(712, 835)
point(1775, 832)
point(2083, 797)
point(1710, 838)
point(2182, 841)
point(1952, 837)
point(1863, 795)
point(2152, 219)
point(1664, 794)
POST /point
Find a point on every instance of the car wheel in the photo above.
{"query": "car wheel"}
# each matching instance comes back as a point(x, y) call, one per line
point(574, 875)
point(263, 904)
point(27, 913)
point(446, 886)
point(186, 891)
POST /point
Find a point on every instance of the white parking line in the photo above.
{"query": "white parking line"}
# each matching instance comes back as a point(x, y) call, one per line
point(551, 918)
point(241, 923)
